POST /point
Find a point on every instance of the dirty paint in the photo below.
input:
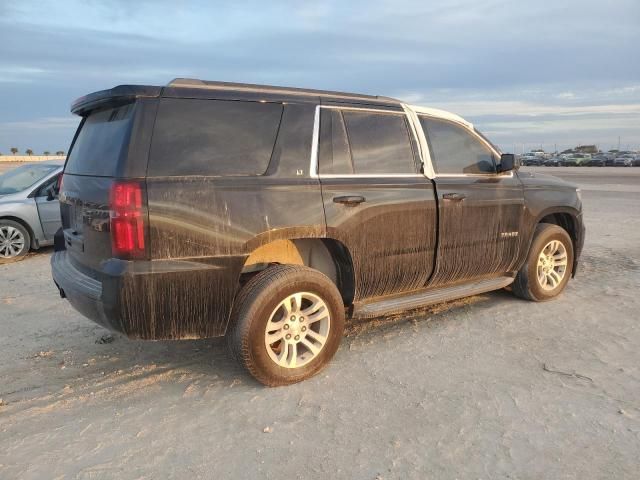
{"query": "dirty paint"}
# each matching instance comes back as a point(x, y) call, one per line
point(201, 230)
point(213, 224)
point(391, 237)
point(471, 241)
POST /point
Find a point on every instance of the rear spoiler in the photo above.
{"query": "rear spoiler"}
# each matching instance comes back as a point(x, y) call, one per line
point(113, 97)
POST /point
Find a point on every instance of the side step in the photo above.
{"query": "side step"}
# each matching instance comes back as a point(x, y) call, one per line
point(412, 300)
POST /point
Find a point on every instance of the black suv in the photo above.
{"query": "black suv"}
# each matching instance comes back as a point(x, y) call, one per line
point(270, 214)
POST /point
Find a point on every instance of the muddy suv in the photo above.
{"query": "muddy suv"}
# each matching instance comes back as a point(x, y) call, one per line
point(270, 214)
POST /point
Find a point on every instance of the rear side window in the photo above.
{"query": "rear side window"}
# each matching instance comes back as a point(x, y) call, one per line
point(363, 142)
point(102, 140)
point(213, 137)
point(454, 150)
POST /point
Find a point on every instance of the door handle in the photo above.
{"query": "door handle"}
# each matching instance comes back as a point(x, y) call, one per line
point(349, 200)
point(454, 197)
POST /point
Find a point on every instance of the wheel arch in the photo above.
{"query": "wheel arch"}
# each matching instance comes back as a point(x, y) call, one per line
point(327, 255)
point(567, 219)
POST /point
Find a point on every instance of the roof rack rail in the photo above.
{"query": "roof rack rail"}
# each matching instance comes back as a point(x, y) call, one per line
point(206, 84)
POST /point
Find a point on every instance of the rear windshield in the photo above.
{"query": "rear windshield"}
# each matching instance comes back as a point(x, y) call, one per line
point(103, 138)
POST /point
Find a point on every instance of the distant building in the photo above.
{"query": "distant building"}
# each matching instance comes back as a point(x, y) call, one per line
point(586, 149)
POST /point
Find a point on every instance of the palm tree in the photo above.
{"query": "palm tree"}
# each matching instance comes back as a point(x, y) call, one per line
point(28, 151)
point(46, 153)
point(14, 150)
point(60, 152)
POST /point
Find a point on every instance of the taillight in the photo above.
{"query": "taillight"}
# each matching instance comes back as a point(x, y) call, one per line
point(127, 220)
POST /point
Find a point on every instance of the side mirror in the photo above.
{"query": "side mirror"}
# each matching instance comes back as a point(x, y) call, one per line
point(508, 162)
point(53, 190)
point(51, 194)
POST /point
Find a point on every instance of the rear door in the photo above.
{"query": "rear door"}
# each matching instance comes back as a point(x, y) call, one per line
point(98, 156)
point(377, 203)
point(481, 211)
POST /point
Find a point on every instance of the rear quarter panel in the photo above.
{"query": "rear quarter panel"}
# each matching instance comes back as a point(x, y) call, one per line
point(207, 226)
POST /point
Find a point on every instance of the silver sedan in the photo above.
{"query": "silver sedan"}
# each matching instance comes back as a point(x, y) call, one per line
point(29, 208)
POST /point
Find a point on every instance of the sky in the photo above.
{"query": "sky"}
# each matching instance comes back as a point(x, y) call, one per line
point(527, 73)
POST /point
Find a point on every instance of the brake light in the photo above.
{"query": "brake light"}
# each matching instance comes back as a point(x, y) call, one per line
point(127, 220)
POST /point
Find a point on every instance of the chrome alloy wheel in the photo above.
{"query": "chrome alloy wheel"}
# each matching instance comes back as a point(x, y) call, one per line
point(11, 242)
point(297, 330)
point(552, 265)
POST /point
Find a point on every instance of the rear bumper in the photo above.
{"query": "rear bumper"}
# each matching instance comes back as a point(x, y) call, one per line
point(85, 293)
point(154, 300)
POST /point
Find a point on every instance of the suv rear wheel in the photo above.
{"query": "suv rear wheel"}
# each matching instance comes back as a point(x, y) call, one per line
point(548, 266)
point(14, 241)
point(286, 324)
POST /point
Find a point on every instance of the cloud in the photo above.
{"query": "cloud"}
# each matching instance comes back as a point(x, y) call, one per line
point(572, 59)
point(20, 74)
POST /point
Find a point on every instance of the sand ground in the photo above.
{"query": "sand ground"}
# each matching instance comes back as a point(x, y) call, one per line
point(489, 387)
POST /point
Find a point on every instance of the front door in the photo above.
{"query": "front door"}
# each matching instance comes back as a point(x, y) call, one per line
point(377, 203)
point(481, 211)
point(48, 208)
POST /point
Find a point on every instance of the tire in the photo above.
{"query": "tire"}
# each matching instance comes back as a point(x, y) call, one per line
point(15, 241)
point(261, 303)
point(528, 284)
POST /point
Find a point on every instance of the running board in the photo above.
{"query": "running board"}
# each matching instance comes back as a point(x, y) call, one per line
point(413, 300)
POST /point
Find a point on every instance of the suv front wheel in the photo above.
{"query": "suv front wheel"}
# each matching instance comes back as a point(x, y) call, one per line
point(549, 264)
point(286, 324)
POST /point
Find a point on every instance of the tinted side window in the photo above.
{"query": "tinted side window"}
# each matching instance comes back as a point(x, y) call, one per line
point(333, 149)
point(213, 137)
point(455, 150)
point(379, 142)
point(295, 137)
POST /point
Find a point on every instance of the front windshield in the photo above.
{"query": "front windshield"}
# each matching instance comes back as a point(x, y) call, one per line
point(23, 177)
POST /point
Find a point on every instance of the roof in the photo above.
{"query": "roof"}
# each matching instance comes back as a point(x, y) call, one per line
point(271, 89)
point(195, 88)
point(435, 112)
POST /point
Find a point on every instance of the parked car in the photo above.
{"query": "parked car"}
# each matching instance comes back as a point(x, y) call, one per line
point(532, 161)
point(552, 162)
point(268, 214)
point(29, 208)
point(581, 159)
point(568, 161)
point(596, 161)
point(624, 161)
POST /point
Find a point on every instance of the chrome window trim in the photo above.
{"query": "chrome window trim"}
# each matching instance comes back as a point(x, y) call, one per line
point(480, 175)
point(373, 175)
point(421, 140)
point(313, 163)
point(424, 153)
point(360, 109)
